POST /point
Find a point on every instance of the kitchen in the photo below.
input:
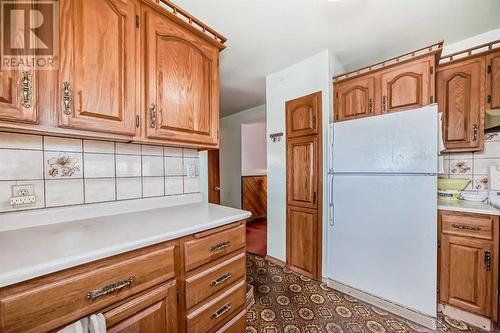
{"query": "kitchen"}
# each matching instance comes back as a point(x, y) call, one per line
point(122, 177)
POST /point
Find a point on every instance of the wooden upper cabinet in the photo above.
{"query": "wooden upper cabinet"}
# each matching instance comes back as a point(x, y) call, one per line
point(493, 80)
point(303, 115)
point(99, 74)
point(18, 102)
point(181, 83)
point(355, 98)
point(154, 311)
point(302, 171)
point(460, 91)
point(409, 85)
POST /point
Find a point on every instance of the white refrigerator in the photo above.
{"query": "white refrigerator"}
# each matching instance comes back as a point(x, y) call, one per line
point(383, 226)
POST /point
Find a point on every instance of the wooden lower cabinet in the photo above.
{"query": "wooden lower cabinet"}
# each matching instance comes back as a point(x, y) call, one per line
point(301, 240)
point(155, 311)
point(142, 291)
point(468, 262)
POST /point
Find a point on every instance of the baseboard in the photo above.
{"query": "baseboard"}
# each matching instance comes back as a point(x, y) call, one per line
point(276, 261)
point(467, 317)
point(397, 309)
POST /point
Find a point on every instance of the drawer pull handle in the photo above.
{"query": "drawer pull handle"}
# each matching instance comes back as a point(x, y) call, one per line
point(219, 313)
point(466, 227)
point(220, 280)
point(220, 246)
point(115, 286)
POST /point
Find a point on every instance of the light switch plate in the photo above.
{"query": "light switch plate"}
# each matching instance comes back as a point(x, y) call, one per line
point(191, 170)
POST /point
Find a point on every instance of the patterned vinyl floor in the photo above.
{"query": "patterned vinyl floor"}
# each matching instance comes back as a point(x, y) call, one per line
point(286, 302)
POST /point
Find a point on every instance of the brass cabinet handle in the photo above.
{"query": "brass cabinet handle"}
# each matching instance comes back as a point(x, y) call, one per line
point(474, 132)
point(466, 227)
point(115, 286)
point(220, 246)
point(384, 103)
point(26, 90)
point(219, 313)
point(220, 280)
point(67, 98)
point(370, 105)
point(487, 260)
point(152, 115)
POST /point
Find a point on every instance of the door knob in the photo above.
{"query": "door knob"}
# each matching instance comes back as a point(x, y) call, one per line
point(217, 188)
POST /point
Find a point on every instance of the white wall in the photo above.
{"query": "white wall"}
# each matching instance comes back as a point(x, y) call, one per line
point(483, 38)
point(230, 153)
point(253, 149)
point(306, 77)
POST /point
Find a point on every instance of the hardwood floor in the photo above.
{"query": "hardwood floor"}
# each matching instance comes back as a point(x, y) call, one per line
point(257, 237)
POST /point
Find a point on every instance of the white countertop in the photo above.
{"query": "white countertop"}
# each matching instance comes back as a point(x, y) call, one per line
point(36, 251)
point(468, 207)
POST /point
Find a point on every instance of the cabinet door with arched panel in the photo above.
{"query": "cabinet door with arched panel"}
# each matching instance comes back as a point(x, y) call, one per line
point(355, 98)
point(304, 115)
point(181, 83)
point(408, 86)
point(460, 91)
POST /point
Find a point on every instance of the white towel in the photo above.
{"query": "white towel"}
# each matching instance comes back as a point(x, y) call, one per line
point(97, 323)
point(81, 326)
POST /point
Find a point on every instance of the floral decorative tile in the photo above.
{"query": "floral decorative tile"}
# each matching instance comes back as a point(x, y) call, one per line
point(480, 182)
point(63, 165)
point(462, 167)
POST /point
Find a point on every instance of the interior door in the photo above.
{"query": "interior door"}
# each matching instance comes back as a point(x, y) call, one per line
point(182, 96)
point(407, 86)
point(99, 76)
point(465, 279)
point(154, 311)
point(302, 172)
point(18, 102)
point(460, 88)
point(493, 62)
point(302, 115)
point(302, 245)
point(355, 98)
point(213, 177)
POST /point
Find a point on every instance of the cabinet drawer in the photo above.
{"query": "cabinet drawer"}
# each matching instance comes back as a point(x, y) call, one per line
point(236, 325)
point(469, 225)
point(55, 300)
point(203, 250)
point(209, 282)
point(209, 314)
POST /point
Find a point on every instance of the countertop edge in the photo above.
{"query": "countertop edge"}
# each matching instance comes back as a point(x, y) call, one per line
point(22, 275)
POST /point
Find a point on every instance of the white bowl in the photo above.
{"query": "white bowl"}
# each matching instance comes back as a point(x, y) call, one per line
point(474, 195)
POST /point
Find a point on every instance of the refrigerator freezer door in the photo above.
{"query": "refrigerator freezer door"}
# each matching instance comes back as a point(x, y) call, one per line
point(402, 142)
point(384, 240)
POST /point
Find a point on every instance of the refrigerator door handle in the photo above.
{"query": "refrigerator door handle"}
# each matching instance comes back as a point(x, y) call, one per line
point(331, 202)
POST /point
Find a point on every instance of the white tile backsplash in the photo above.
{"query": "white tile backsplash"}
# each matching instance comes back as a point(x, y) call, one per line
point(99, 165)
point(94, 146)
point(173, 166)
point(153, 186)
point(475, 166)
point(128, 188)
point(20, 141)
point(21, 164)
point(174, 185)
point(63, 192)
point(73, 171)
point(152, 166)
point(63, 165)
point(100, 190)
point(128, 166)
point(62, 144)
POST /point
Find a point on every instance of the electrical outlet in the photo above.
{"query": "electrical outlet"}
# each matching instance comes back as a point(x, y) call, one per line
point(23, 194)
point(24, 200)
point(23, 190)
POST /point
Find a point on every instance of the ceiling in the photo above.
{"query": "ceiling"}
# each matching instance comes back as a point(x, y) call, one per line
point(265, 36)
